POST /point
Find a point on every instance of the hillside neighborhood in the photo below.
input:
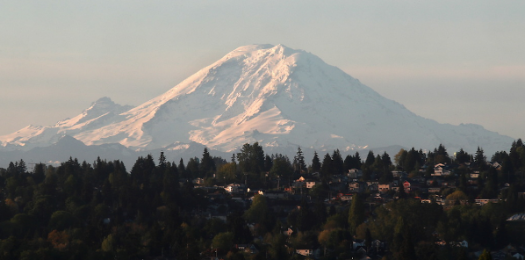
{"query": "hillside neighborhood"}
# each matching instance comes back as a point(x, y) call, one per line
point(415, 205)
point(435, 188)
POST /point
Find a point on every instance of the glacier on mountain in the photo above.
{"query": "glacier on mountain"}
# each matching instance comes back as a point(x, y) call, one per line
point(271, 94)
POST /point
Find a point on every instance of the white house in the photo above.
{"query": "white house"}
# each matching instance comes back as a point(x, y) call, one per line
point(235, 188)
point(304, 252)
point(310, 184)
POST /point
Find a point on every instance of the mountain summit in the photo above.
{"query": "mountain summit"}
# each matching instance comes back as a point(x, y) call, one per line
point(271, 94)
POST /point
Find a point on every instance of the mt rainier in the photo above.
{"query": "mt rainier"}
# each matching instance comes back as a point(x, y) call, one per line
point(271, 94)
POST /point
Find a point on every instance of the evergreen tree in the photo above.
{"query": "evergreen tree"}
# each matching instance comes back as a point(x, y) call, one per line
point(162, 160)
point(326, 167)
point(268, 163)
point(251, 158)
point(480, 160)
point(370, 159)
point(348, 163)
point(207, 165)
point(337, 162)
point(385, 158)
point(316, 163)
point(462, 157)
point(39, 173)
point(22, 168)
point(182, 169)
point(192, 168)
point(378, 165)
point(299, 165)
point(357, 161)
point(441, 155)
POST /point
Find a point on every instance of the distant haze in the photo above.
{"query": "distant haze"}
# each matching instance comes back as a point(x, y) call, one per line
point(454, 62)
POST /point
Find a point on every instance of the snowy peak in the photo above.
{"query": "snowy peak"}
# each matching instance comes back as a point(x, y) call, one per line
point(271, 94)
point(102, 107)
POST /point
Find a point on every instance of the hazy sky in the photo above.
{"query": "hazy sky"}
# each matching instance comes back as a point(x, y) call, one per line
point(451, 61)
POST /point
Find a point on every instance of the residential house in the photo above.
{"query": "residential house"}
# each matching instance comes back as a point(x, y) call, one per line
point(311, 183)
point(383, 188)
point(345, 197)
point(482, 202)
point(496, 165)
point(304, 251)
point(357, 186)
point(440, 170)
point(235, 188)
point(355, 173)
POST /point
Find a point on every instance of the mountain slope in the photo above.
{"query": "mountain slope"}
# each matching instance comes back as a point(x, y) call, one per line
point(275, 95)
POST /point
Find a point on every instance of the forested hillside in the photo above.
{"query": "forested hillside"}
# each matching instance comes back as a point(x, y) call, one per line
point(165, 208)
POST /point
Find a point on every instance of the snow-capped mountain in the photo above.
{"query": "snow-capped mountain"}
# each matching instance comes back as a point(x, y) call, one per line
point(272, 94)
point(100, 113)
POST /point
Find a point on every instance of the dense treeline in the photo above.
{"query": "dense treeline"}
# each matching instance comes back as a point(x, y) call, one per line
point(101, 210)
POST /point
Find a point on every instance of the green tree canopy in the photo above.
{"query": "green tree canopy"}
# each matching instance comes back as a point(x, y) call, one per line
point(223, 241)
point(257, 210)
point(356, 215)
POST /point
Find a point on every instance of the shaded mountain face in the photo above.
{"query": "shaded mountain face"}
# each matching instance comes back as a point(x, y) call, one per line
point(274, 95)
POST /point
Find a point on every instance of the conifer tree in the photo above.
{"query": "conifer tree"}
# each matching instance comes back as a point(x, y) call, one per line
point(182, 169)
point(370, 159)
point(162, 160)
point(268, 163)
point(348, 163)
point(337, 162)
point(357, 160)
point(316, 163)
point(207, 165)
point(385, 158)
point(192, 168)
point(326, 167)
point(299, 165)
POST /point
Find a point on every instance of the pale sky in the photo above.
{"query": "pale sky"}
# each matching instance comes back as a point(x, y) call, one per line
point(451, 61)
